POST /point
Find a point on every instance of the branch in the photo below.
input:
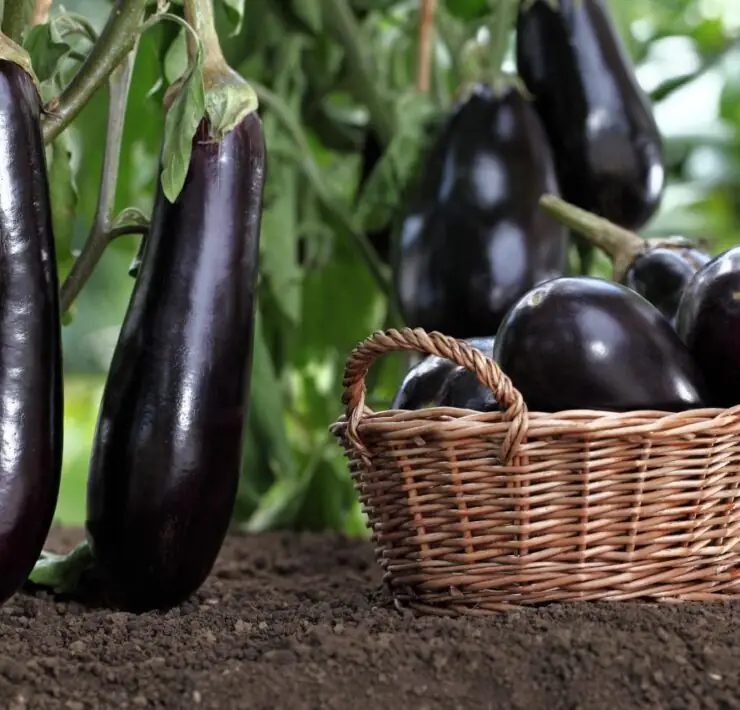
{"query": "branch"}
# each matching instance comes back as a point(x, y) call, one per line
point(424, 57)
point(100, 235)
point(341, 22)
point(115, 42)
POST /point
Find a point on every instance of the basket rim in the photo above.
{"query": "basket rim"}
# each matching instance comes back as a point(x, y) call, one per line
point(652, 423)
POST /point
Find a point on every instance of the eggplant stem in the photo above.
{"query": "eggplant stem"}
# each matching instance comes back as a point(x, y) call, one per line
point(100, 233)
point(502, 22)
point(619, 244)
point(116, 41)
point(199, 15)
point(62, 573)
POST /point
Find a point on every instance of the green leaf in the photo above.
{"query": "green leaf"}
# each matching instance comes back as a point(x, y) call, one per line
point(64, 198)
point(176, 58)
point(182, 121)
point(308, 12)
point(385, 186)
point(235, 8)
point(62, 573)
point(69, 24)
point(266, 405)
point(46, 49)
point(131, 216)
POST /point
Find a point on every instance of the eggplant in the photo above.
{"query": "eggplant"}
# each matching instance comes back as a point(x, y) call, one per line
point(658, 269)
point(708, 321)
point(31, 398)
point(607, 146)
point(588, 343)
point(462, 389)
point(167, 451)
point(423, 384)
point(472, 241)
point(661, 275)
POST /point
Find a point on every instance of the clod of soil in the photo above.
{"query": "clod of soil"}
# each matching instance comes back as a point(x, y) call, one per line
point(288, 622)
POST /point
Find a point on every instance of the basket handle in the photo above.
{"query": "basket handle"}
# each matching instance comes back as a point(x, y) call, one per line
point(486, 370)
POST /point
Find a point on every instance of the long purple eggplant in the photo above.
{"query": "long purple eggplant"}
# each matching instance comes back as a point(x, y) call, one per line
point(166, 457)
point(31, 400)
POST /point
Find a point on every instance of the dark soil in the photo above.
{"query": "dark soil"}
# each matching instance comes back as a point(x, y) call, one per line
point(292, 622)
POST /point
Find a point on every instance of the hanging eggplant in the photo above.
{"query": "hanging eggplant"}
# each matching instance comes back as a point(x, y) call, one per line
point(599, 121)
point(473, 240)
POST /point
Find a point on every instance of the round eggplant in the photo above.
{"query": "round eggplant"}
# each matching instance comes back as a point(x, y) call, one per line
point(606, 143)
point(708, 321)
point(588, 343)
point(462, 389)
point(168, 447)
point(661, 275)
point(31, 399)
point(473, 240)
point(423, 384)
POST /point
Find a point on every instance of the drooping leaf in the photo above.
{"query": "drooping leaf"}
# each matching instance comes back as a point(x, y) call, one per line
point(176, 58)
point(182, 120)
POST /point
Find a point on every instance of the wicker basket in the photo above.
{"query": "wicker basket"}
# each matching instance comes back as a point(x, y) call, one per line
point(481, 512)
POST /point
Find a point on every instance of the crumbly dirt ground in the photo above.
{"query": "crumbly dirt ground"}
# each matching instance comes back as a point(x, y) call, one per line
point(288, 622)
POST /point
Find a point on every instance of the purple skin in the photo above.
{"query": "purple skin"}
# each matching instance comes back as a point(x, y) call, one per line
point(168, 447)
point(31, 399)
point(426, 383)
point(588, 343)
point(474, 239)
point(708, 321)
point(662, 274)
point(606, 143)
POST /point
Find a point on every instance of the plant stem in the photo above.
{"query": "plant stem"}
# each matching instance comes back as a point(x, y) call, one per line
point(199, 14)
point(99, 237)
point(424, 57)
point(619, 244)
point(342, 24)
point(41, 12)
point(501, 25)
point(116, 40)
point(16, 19)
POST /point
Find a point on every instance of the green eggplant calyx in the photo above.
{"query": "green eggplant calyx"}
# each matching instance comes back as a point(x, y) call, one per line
point(12, 52)
point(229, 99)
point(62, 573)
point(621, 245)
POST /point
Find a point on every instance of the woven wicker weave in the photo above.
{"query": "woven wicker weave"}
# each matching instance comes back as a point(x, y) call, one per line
point(481, 512)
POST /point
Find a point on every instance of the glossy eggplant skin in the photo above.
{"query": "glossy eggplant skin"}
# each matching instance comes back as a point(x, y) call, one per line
point(423, 384)
point(473, 240)
point(31, 399)
point(606, 143)
point(708, 321)
point(462, 389)
point(587, 343)
point(168, 446)
point(661, 275)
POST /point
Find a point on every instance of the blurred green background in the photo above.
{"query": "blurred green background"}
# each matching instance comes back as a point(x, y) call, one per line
point(314, 108)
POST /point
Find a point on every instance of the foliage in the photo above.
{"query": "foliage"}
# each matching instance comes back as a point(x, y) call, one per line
point(320, 87)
